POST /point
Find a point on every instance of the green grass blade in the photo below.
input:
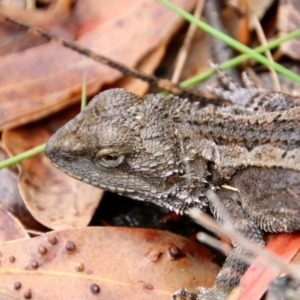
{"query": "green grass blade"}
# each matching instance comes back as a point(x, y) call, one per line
point(232, 42)
point(27, 154)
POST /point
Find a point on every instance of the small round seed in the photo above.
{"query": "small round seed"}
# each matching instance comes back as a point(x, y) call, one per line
point(34, 264)
point(95, 289)
point(27, 294)
point(42, 250)
point(52, 239)
point(175, 252)
point(70, 246)
point(17, 285)
point(12, 259)
point(79, 267)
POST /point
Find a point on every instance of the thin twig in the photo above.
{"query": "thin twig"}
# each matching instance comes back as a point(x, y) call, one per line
point(183, 52)
point(83, 92)
point(30, 4)
point(263, 41)
point(213, 242)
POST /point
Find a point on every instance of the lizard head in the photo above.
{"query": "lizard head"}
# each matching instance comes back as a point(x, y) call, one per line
point(127, 144)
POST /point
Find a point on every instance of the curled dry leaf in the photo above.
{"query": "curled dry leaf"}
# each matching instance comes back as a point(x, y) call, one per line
point(46, 78)
point(11, 228)
point(10, 197)
point(54, 199)
point(104, 263)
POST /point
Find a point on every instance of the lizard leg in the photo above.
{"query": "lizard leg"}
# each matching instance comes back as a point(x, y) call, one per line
point(234, 267)
point(250, 98)
point(241, 97)
point(286, 288)
point(271, 197)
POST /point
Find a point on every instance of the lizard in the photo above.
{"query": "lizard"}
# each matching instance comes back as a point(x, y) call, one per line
point(166, 150)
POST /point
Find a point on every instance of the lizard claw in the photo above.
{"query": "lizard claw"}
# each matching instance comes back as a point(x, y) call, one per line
point(210, 294)
point(226, 81)
point(202, 294)
point(240, 97)
point(184, 294)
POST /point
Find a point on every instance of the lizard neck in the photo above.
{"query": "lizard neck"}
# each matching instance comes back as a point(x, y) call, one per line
point(278, 128)
point(229, 142)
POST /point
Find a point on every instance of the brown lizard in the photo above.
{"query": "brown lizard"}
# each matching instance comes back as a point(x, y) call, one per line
point(168, 151)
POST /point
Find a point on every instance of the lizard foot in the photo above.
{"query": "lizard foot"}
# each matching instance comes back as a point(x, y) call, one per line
point(241, 97)
point(202, 294)
point(184, 294)
point(286, 288)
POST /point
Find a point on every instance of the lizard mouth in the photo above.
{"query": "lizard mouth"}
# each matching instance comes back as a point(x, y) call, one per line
point(74, 176)
point(69, 173)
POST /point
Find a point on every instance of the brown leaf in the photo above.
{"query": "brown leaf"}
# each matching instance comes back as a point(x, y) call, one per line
point(56, 19)
point(11, 228)
point(44, 79)
point(10, 197)
point(124, 263)
point(54, 199)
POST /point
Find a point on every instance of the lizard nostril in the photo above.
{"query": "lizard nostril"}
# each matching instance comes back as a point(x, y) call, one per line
point(68, 157)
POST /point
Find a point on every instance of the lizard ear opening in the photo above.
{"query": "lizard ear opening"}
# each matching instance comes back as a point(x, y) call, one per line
point(109, 158)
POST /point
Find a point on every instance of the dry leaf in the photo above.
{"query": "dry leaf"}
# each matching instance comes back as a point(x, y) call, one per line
point(10, 197)
point(11, 228)
point(123, 263)
point(57, 19)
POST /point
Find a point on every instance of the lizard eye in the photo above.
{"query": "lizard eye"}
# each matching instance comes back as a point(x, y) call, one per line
point(109, 158)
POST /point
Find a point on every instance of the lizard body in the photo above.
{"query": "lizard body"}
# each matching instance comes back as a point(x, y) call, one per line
point(168, 151)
